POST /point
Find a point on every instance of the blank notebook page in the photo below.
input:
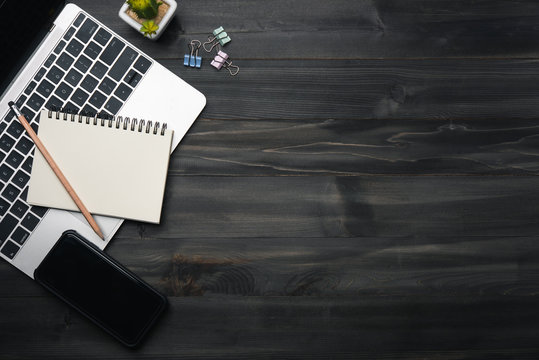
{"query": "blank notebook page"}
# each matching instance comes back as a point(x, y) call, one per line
point(115, 171)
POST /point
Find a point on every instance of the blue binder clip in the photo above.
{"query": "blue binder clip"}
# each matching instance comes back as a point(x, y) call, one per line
point(192, 59)
point(220, 37)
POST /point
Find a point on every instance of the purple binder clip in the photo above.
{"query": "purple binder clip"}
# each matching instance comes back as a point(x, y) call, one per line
point(221, 60)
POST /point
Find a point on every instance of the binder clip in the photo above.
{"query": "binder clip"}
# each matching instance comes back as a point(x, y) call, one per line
point(221, 60)
point(220, 37)
point(192, 59)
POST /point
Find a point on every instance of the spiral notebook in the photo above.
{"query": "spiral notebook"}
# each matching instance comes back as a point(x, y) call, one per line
point(118, 167)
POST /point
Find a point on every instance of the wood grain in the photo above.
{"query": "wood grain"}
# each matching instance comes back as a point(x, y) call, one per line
point(291, 327)
point(325, 206)
point(338, 147)
point(365, 188)
point(304, 29)
point(335, 267)
point(369, 89)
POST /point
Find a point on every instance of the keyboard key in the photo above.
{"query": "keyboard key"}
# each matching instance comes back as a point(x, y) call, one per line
point(10, 249)
point(5, 173)
point(69, 33)
point(123, 63)
point(21, 179)
point(86, 31)
point(105, 115)
point(59, 47)
point(142, 64)
point(20, 101)
point(92, 50)
point(45, 88)
point(54, 104)
point(79, 97)
point(35, 102)
point(6, 226)
point(113, 105)
point(10, 116)
point(50, 60)
point(89, 83)
point(20, 235)
point(55, 74)
point(123, 91)
point(4, 205)
point(30, 88)
point(73, 77)
point(15, 129)
point(71, 108)
point(63, 91)
point(24, 194)
point(25, 145)
point(19, 209)
point(83, 64)
point(34, 126)
point(112, 50)
point(14, 159)
point(97, 99)
point(107, 85)
point(39, 210)
point(40, 74)
point(79, 20)
point(99, 69)
point(74, 47)
point(65, 61)
point(30, 221)
point(27, 165)
point(28, 114)
point(132, 78)
point(6, 142)
point(88, 110)
point(10, 192)
point(102, 36)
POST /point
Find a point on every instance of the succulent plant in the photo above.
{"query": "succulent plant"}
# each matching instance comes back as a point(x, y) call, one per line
point(144, 9)
point(149, 28)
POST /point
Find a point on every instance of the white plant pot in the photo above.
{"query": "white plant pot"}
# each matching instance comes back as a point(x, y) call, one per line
point(162, 25)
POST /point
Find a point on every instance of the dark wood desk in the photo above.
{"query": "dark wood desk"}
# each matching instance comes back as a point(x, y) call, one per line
point(366, 187)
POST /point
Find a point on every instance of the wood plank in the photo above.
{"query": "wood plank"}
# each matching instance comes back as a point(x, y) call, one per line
point(336, 267)
point(369, 89)
point(343, 29)
point(285, 207)
point(287, 327)
point(358, 147)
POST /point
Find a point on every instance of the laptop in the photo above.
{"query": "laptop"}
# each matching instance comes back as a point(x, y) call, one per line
point(60, 57)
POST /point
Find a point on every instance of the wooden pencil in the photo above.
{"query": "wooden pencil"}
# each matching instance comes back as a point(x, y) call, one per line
point(56, 170)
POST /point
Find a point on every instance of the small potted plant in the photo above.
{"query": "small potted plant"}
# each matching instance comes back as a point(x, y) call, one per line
point(150, 17)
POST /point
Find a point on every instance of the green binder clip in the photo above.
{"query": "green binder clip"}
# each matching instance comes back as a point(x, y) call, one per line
point(220, 37)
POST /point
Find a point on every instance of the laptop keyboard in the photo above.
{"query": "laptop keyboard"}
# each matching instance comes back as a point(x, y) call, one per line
point(90, 71)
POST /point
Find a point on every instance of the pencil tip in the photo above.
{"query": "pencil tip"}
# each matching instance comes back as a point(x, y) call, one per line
point(99, 233)
point(11, 103)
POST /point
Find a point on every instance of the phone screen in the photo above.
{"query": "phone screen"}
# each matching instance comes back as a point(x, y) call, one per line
point(99, 287)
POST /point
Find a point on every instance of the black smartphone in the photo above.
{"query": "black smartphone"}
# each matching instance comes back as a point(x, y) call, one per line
point(100, 288)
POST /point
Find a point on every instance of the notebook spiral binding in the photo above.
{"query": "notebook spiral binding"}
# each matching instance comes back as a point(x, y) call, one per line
point(117, 121)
